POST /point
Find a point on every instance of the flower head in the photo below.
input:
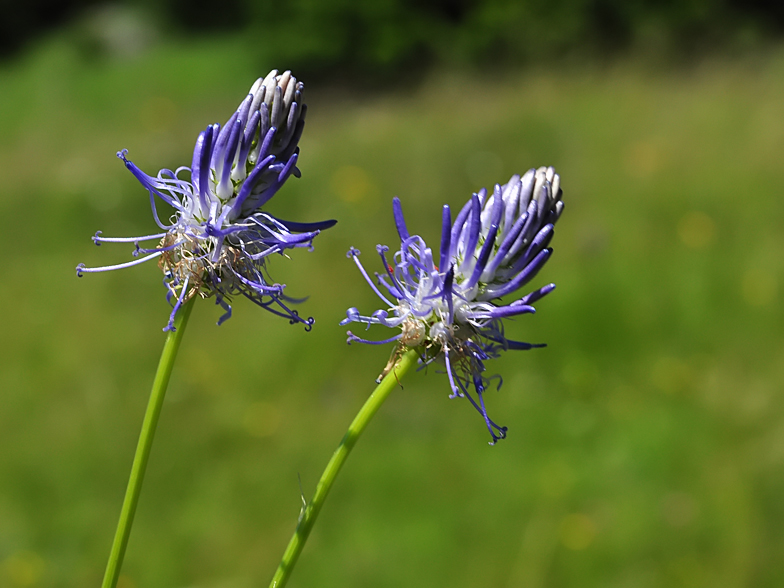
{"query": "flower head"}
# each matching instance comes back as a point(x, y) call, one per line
point(218, 239)
point(448, 307)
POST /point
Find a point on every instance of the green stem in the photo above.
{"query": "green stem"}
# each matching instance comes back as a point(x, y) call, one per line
point(355, 429)
point(145, 444)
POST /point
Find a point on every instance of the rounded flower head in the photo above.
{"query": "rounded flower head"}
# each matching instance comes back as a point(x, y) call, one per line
point(448, 307)
point(219, 237)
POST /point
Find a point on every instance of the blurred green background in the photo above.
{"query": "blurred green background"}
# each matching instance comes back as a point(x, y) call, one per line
point(646, 442)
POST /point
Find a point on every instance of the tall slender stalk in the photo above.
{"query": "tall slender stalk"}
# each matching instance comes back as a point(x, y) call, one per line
point(142, 455)
point(355, 429)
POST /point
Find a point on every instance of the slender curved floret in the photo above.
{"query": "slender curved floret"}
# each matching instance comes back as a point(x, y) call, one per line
point(445, 306)
point(219, 238)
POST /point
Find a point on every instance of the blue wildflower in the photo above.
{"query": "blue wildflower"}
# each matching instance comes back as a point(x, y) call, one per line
point(448, 307)
point(219, 238)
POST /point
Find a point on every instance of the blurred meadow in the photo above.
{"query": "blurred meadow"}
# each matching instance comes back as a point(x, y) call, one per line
point(646, 442)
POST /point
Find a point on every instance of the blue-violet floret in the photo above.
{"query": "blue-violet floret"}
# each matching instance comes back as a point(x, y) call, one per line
point(218, 237)
point(448, 307)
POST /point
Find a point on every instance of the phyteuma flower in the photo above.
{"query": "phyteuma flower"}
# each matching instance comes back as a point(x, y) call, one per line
point(219, 238)
point(448, 307)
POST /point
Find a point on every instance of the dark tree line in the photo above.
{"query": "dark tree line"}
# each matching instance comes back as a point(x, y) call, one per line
point(385, 36)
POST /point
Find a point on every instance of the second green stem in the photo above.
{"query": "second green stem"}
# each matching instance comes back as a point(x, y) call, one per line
point(311, 512)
